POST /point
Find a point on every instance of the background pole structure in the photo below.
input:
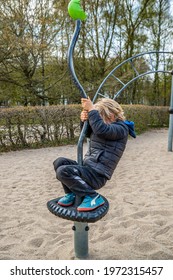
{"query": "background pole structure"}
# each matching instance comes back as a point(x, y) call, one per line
point(136, 77)
point(170, 132)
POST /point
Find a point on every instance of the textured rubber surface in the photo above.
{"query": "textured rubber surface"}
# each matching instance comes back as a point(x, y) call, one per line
point(71, 213)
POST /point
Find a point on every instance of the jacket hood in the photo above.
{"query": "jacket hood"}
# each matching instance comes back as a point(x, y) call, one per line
point(131, 127)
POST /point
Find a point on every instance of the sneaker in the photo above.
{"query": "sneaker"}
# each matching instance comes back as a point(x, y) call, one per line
point(90, 203)
point(67, 200)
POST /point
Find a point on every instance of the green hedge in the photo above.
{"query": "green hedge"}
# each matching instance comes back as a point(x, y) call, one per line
point(23, 127)
point(26, 127)
point(146, 117)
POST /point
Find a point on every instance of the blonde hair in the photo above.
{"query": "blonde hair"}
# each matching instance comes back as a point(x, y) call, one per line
point(107, 107)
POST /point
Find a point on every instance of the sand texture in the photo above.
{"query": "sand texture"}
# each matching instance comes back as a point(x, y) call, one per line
point(139, 224)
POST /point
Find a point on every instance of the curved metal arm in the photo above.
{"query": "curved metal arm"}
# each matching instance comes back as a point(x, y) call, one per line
point(70, 58)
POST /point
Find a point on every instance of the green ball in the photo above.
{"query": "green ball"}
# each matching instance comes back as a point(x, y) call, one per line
point(75, 10)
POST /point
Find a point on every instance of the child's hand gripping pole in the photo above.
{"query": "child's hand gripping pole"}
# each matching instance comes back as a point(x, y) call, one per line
point(87, 104)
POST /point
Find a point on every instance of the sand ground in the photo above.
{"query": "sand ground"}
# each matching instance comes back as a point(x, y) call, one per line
point(139, 224)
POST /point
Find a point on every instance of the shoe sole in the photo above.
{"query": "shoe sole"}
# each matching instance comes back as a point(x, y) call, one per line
point(88, 209)
point(65, 205)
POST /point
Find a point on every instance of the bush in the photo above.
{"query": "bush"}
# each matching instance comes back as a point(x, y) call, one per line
point(23, 127)
point(26, 127)
point(146, 117)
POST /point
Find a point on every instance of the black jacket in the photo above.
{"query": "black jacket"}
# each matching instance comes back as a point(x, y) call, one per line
point(107, 144)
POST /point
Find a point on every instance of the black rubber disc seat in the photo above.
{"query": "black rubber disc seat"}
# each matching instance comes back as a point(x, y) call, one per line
point(71, 213)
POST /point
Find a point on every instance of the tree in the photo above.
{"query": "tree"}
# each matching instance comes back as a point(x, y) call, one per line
point(160, 24)
point(35, 36)
point(28, 37)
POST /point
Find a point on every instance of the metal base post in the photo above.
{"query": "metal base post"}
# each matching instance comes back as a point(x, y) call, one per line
point(81, 240)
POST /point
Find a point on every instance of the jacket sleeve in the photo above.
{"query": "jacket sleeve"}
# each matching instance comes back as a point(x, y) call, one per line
point(112, 131)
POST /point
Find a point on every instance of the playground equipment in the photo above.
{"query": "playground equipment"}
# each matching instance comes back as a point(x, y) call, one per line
point(81, 219)
point(149, 57)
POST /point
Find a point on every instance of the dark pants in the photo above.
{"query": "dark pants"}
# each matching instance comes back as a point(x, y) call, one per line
point(81, 180)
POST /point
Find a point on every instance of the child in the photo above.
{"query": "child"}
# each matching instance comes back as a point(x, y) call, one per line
point(108, 132)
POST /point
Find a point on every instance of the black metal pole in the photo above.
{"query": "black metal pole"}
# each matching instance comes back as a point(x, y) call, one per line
point(170, 133)
point(80, 229)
